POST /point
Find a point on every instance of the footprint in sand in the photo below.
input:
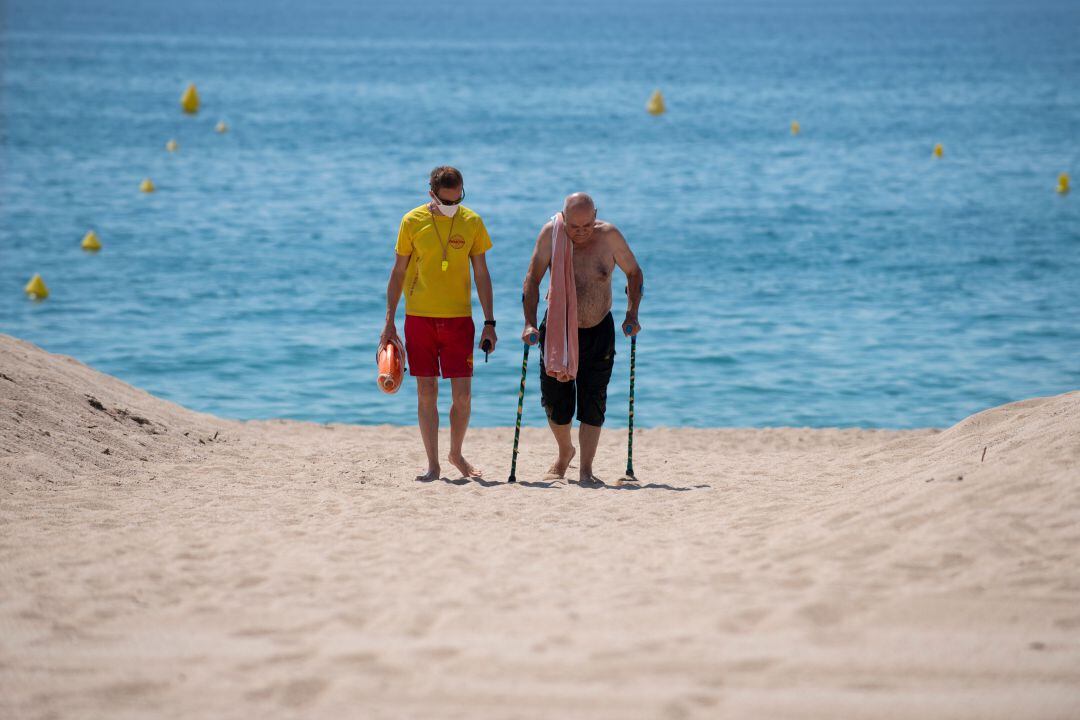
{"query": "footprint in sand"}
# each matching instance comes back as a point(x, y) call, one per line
point(129, 691)
point(301, 692)
point(293, 694)
point(287, 658)
point(439, 653)
point(821, 614)
point(369, 662)
point(753, 665)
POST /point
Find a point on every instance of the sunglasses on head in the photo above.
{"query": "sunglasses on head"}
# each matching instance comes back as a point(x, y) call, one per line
point(449, 202)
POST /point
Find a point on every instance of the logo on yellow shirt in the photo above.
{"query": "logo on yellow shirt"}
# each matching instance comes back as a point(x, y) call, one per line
point(457, 242)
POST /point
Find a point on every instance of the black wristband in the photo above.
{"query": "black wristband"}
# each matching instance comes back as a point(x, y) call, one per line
point(489, 322)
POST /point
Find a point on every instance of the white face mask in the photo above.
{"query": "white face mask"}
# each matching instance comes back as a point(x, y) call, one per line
point(447, 210)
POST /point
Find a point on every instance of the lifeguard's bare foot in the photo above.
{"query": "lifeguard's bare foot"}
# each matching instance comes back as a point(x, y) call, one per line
point(464, 466)
point(557, 471)
point(430, 476)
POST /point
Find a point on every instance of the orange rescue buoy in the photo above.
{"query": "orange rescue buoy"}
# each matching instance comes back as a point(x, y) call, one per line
point(391, 368)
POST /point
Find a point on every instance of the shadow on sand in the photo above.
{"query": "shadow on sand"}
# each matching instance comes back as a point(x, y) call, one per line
point(483, 482)
point(547, 485)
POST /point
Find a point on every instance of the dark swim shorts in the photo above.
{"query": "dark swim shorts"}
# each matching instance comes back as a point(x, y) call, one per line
point(596, 357)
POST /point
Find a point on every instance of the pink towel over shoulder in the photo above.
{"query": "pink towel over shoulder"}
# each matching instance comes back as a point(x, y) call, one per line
point(561, 340)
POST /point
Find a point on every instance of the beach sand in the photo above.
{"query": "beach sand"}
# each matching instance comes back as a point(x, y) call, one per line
point(157, 562)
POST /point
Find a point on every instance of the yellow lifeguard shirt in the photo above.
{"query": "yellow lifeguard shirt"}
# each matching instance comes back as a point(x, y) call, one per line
point(429, 290)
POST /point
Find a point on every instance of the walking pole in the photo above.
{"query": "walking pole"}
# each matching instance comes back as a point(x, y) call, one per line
point(627, 329)
point(629, 476)
point(521, 403)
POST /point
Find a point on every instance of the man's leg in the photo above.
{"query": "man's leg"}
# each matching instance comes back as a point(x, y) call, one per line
point(456, 336)
point(421, 349)
point(427, 415)
point(589, 438)
point(558, 401)
point(596, 360)
point(566, 449)
point(460, 410)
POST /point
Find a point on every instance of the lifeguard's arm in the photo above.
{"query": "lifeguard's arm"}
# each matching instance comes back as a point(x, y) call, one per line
point(482, 278)
point(635, 278)
point(538, 267)
point(393, 294)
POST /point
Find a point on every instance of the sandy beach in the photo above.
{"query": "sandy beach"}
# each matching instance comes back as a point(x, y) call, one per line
point(157, 562)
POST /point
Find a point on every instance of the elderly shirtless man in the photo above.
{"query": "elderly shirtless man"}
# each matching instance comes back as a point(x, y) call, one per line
point(598, 247)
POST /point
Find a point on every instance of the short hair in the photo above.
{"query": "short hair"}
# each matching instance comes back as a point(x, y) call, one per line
point(579, 198)
point(447, 177)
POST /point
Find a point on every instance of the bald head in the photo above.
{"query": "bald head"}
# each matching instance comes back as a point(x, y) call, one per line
point(578, 200)
point(579, 212)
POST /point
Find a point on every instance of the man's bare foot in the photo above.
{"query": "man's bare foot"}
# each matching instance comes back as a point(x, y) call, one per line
point(430, 476)
point(464, 466)
point(587, 479)
point(557, 471)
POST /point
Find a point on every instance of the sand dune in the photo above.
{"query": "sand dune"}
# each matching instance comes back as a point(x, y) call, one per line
point(157, 562)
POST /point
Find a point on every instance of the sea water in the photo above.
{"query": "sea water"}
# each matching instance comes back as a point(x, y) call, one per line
point(842, 276)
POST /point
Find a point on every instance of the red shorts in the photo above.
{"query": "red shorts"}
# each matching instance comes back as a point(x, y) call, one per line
point(431, 343)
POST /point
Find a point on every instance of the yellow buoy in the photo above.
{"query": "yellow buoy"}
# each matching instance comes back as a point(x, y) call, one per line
point(147, 185)
point(221, 127)
point(938, 150)
point(189, 101)
point(656, 106)
point(36, 289)
point(172, 146)
point(1063, 183)
point(90, 242)
point(795, 127)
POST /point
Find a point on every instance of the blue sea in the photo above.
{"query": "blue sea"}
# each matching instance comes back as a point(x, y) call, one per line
point(841, 277)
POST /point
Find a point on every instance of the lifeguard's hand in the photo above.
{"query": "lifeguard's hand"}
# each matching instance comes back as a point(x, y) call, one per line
point(530, 335)
point(488, 334)
point(630, 326)
point(389, 335)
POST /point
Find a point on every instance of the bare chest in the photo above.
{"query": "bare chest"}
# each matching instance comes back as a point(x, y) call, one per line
point(592, 278)
point(592, 268)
